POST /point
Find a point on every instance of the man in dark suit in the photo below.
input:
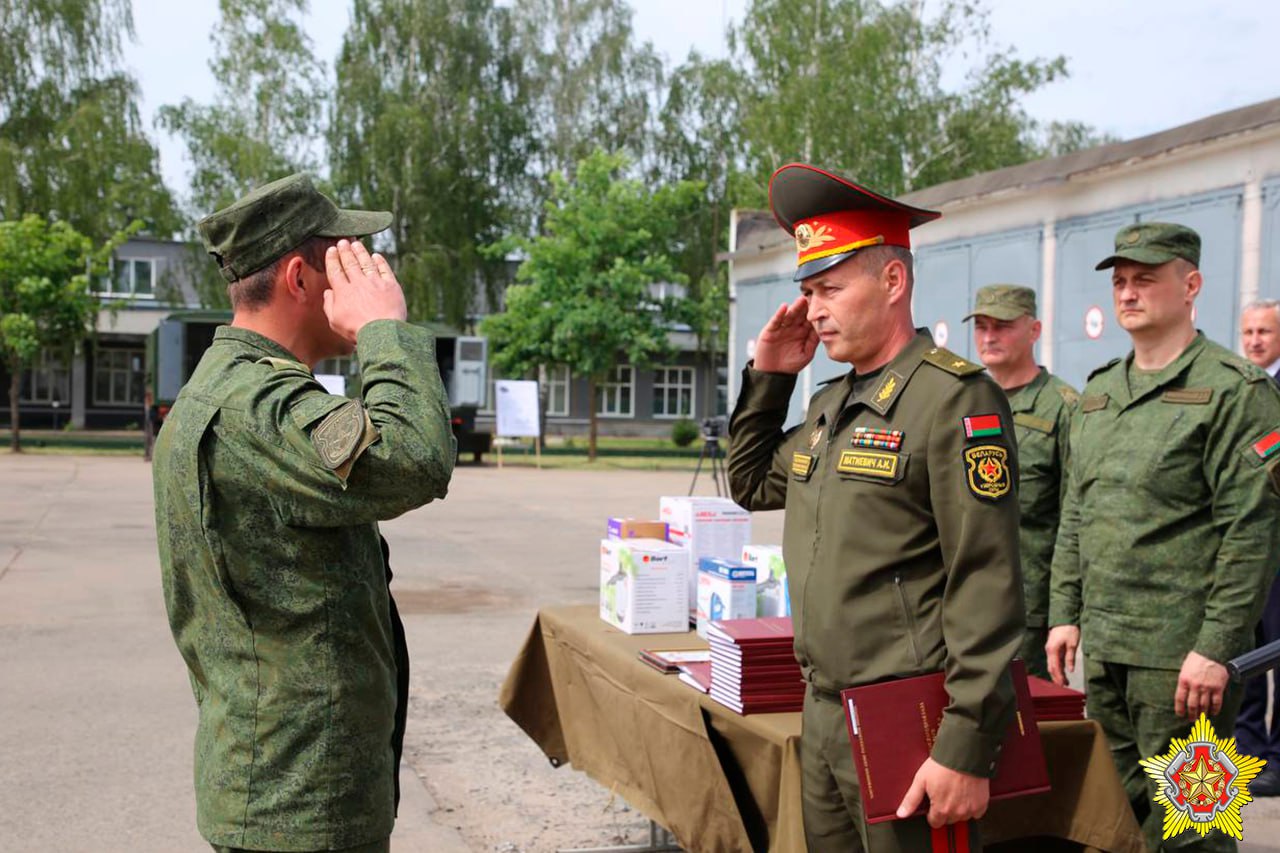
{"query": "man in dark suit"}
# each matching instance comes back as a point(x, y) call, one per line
point(1260, 337)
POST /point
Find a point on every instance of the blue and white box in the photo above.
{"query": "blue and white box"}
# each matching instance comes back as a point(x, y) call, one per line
point(726, 590)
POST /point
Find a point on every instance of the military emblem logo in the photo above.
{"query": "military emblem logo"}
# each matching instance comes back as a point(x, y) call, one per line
point(988, 471)
point(1203, 782)
point(815, 437)
point(887, 389)
point(339, 434)
point(807, 238)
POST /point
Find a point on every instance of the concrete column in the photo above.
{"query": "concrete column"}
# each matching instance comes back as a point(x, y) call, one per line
point(1048, 290)
point(1251, 239)
point(79, 387)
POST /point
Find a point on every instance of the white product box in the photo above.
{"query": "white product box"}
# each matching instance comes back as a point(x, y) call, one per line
point(708, 527)
point(771, 579)
point(726, 590)
point(644, 585)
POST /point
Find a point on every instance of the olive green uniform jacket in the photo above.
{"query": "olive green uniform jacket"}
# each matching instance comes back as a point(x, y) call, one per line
point(268, 493)
point(1042, 422)
point(900, 561)
point(1169, 534)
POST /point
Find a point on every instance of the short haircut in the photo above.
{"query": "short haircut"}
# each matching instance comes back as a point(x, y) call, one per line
point(254, 291)
point(1262, 305)
point(874, 259)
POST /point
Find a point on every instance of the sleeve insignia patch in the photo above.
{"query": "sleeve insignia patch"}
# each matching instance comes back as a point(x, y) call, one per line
point(1267, 446)
point(884, 439)
point(869, 463)
point(982, 426)
point(988, 471)
point(339, 434)
point(801, 465)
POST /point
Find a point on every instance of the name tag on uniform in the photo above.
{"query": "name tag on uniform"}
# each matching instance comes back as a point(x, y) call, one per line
point(1094, 402)
point(802, 465)
point(1032, 422)
point(1188, 396)
point(869, 463)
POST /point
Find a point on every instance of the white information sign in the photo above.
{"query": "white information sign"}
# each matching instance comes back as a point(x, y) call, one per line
point(517, 406)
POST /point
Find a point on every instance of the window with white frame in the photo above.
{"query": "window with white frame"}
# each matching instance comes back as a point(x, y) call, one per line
point(615, 395)
point(118, 376)
point(47, 380)
point(558, 380)
point(673, 392)
point(130, 277)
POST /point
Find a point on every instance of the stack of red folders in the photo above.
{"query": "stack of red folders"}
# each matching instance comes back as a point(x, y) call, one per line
point(753, 665)
point(1052, 702)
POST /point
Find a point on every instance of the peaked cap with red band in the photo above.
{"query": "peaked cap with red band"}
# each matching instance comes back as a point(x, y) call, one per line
point(832, 217)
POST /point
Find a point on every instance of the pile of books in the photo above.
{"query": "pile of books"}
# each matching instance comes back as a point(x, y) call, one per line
point(1053, 703)
point(753, 665)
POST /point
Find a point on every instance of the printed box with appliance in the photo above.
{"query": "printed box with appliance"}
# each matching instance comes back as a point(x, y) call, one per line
point(726, 590)
point(708, 527)
point(771, 579)
point(631, 528)
point(644, 585)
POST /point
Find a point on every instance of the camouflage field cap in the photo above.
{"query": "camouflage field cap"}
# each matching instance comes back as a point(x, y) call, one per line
point(1154, 243)
point(1004, 302)
point(277, 218)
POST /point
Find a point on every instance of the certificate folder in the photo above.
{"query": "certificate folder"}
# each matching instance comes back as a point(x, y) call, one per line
point(892, 727)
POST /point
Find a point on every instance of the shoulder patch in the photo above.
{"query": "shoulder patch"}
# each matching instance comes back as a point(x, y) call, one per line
point(1068, 395)
point(951, 363)
point(284, 364)
point(1104, 368)
point(1250, 371)
point(338, 435)
point(987, 471)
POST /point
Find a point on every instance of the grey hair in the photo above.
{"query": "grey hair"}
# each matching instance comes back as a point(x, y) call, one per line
point(1263, 304)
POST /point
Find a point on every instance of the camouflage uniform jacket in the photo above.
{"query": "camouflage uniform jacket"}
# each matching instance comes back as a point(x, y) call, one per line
point(268, 493)
point(1042, 421)
point(901, 546)
point(1169, 533)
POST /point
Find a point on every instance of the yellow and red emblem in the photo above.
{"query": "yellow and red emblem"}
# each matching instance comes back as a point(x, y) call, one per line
point(988, 471)
point(1203, 782)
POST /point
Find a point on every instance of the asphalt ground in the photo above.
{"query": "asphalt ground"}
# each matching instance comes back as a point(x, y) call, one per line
point(96, 713)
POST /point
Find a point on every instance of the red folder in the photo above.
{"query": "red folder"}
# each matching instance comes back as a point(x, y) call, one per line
point(892, 726)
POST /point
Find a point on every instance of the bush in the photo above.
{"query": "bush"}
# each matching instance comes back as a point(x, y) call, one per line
point(684, 432)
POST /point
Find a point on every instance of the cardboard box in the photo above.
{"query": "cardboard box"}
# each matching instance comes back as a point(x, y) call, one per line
point(630, 528)
point(708, 527)
point(771, 579)
point(726, 590)
point(644, 585)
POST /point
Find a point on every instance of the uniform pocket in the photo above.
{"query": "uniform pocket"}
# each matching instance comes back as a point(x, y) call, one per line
point(909, 620)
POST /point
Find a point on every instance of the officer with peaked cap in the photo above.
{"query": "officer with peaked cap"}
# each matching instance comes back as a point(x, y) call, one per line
point(268, 495)
point(1168, 540)
point(1005, 331)
point(901, 513)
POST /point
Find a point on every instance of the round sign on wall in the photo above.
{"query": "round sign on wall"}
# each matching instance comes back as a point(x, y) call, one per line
point(1093, 322)
point(940, 333)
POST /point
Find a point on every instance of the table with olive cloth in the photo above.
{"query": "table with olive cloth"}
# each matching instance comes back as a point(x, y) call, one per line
point(722, 782)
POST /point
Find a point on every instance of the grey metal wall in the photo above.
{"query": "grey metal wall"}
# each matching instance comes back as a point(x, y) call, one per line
point(1269, 275)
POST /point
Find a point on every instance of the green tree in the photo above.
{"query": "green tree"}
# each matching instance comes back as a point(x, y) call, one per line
point(857, 85)
point(45, 303)
point(72, 144)
point(427, 124)
point(268, 109)
point(585, 295)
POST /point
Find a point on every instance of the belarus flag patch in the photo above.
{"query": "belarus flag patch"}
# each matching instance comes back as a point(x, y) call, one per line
point(982, 426)
point(1267, 445)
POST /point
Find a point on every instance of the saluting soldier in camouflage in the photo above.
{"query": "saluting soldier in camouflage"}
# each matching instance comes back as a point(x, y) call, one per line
point(1168, 537)
point(1005, 330)
point(268, 493)
point(902, 518)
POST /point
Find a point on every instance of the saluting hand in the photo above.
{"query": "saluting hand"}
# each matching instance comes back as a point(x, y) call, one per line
point(788, 341)
point(362, 288)
point(1201, 685)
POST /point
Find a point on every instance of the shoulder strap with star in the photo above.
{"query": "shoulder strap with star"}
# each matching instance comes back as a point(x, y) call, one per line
point(284, 364)
point(1250, 371)
point(956, 365)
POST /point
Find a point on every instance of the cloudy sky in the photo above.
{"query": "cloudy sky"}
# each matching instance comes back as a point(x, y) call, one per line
point(1137, 66)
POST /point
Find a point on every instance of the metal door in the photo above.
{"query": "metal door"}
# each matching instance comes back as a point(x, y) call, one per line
point(467, 384)
point(1085, 334)
point(941, 296)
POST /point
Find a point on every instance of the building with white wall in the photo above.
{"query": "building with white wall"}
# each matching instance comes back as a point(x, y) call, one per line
point(1045, 224)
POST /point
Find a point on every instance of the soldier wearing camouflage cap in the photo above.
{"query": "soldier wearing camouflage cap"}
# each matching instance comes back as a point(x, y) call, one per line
point(1005, 331)
point(1168, 538)
point(268, 495)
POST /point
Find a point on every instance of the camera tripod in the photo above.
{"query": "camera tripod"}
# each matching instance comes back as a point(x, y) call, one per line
point(719, 476)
